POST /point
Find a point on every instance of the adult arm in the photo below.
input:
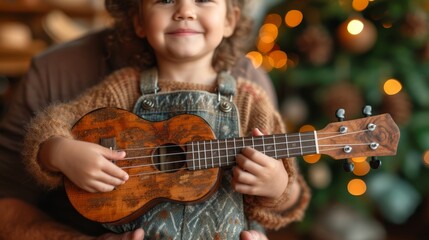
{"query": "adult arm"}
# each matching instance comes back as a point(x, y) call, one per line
point(58, 74)
point(21, 220)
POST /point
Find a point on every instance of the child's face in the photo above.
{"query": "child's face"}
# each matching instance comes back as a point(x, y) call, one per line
point(180, 30)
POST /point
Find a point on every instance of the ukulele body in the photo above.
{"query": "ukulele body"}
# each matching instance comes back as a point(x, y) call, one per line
point(153, 179)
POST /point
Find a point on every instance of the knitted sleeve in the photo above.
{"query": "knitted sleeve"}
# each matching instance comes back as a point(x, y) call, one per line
point(257, 111)
point(118, 90)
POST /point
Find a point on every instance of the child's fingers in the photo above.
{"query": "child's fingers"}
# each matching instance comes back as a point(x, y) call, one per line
point(243, 188)
point(112, 169)
point(246, 164)
point(113, 154)
point(98, 186)
point(110, 180)
point(257, 132)
point(252, 235)
point(242, 176)
point(255, 156)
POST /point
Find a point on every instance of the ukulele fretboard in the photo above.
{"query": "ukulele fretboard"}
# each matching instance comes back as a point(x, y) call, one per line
point(221, 153)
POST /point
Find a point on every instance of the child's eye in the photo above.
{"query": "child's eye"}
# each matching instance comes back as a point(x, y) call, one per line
point(166, 1)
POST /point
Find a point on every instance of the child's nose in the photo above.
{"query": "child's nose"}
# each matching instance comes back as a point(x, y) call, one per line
point(185, 11)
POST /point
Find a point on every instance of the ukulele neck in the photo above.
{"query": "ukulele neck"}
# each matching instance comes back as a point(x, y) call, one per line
point(221, 153)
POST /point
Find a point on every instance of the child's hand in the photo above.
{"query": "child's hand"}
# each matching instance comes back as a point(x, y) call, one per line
point(258, 174)
point(86, 164)
point(137, 234)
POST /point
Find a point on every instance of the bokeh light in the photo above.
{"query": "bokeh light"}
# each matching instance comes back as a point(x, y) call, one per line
point(355, 27)
point(360, 5)
point(268, 33)
point(307, 128)
point(356, 187)
point(387, 25)
point(293, 18)
point(312, 158)
point(264, 47)
point(361, 168)
point(267, 63)
point(426, 158)
point(392, 87)
point(358, 159)
point(278, 58)
point(255, 57)
point(274, 18)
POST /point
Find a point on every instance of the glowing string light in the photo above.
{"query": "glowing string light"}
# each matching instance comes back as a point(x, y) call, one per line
point(392, 87)
point(293, 18)
point(356, 187)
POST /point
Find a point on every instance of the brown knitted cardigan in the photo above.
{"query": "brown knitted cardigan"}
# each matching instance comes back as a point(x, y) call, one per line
point(121, 89)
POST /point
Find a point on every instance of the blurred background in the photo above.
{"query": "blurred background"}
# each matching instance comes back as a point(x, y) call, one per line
point(321, 55)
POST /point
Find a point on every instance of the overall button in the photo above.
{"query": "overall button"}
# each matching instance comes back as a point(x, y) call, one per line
point(225, 106)
point(147, 104)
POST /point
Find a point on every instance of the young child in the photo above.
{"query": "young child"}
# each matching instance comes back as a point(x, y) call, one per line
point(185, 51)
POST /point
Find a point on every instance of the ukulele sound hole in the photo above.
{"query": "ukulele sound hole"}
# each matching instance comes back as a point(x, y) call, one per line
point(169, 158)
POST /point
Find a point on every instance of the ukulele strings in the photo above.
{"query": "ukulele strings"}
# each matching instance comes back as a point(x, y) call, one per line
point(202, 163)
point(215, 163)
point(234, 141)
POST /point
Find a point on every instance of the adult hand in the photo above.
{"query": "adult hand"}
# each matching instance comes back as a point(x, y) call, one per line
point(252, 235)
point(137, 234)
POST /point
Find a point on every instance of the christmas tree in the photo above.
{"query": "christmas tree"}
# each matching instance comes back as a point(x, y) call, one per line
point(323, 55)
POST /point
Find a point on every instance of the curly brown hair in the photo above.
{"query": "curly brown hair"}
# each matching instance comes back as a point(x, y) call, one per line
point(140, 54)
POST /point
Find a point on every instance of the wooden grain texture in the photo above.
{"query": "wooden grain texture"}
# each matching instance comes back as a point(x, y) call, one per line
point(147, 185)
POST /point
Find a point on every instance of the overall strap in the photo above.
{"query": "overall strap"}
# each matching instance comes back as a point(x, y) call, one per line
point(226, 84)
point(149, 81)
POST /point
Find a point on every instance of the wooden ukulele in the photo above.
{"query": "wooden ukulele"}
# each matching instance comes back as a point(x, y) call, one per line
point(180, 160)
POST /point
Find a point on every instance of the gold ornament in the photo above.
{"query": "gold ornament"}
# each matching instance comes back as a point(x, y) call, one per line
point(343, 95)
point(316, 45)
point(357, 35)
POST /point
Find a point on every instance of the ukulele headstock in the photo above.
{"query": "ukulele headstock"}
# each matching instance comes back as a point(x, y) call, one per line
point(370, 136)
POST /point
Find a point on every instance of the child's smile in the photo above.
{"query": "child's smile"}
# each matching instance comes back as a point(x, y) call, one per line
point(182, 32)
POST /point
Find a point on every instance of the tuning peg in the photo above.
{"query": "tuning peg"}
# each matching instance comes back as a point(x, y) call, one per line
point(348, 166)
point(367, 111)
point(340, 114)
point(375, 163)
